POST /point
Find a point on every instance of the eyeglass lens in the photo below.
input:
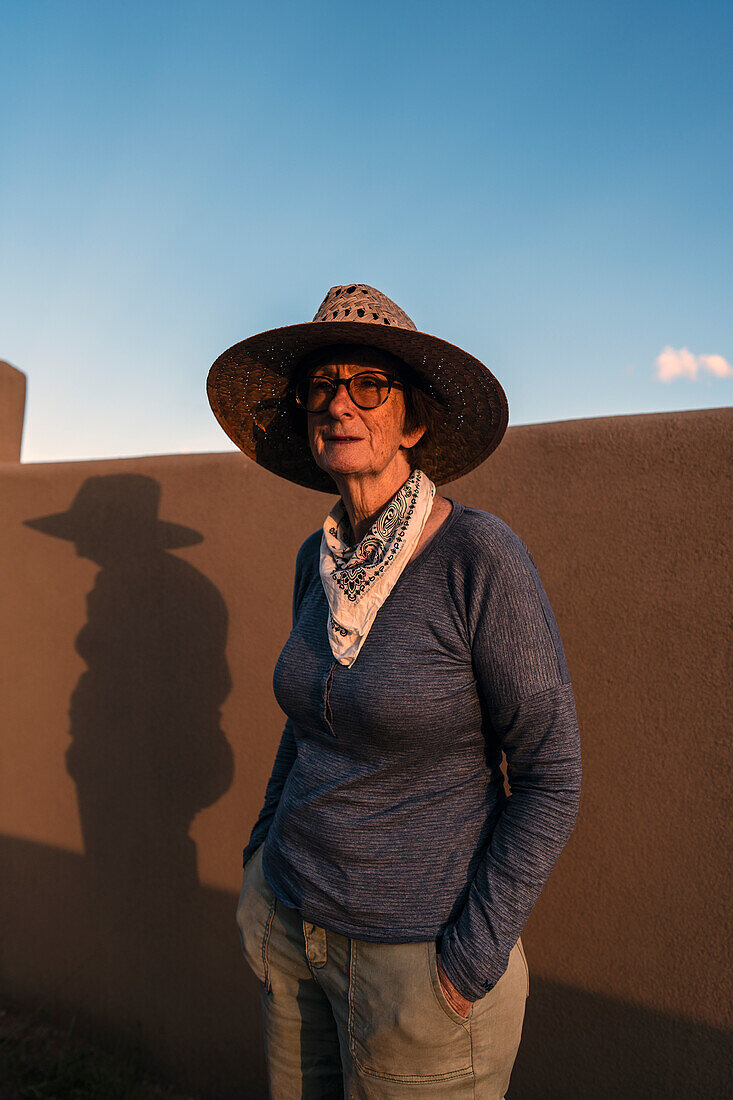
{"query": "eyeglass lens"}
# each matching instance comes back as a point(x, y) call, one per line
point(367, 391)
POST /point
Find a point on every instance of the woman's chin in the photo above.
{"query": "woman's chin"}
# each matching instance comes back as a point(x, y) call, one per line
point(337, 461)
point(342, 468)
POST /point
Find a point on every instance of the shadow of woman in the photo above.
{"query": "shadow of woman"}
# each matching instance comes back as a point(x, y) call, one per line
point(147, 750)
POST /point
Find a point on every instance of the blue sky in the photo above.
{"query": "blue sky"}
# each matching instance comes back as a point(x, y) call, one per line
point(546, 185)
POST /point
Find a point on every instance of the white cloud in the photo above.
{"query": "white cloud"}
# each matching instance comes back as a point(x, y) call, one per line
point(681, 363)
point(717, 365)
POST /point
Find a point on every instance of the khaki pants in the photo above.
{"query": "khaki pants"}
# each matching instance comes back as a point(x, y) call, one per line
point(345, 1018)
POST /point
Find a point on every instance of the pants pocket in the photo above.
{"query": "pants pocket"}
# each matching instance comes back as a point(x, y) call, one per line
point(399, 1029)
point(440, 996)
point(255, 912)
point(520, 945)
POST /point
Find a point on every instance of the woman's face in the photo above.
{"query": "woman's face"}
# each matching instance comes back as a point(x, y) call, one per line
point(348, 441)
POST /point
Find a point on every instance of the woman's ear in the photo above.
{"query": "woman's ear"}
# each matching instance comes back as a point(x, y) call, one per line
point(411, 438)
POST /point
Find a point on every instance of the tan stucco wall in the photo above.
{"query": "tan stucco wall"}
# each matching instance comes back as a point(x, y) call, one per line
point(116, 908)
point(12, 409)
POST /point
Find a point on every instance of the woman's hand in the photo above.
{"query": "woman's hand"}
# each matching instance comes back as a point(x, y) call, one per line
point(455, 999)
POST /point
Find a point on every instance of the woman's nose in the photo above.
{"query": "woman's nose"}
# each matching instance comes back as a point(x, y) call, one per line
point(341, 402)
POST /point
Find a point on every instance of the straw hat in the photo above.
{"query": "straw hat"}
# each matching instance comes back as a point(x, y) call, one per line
point(248, 388)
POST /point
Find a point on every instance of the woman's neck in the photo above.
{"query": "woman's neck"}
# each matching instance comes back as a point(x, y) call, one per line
point(365, 497)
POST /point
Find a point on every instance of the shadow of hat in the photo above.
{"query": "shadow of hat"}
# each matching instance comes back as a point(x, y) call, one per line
point(117, 503)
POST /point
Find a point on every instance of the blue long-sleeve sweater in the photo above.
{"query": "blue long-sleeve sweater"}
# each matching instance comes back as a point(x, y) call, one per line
point(385, 817)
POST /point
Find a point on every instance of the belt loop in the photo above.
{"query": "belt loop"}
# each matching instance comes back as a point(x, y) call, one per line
point(315, 944)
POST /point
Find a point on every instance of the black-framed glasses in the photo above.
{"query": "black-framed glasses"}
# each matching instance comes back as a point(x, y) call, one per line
point(367, 389)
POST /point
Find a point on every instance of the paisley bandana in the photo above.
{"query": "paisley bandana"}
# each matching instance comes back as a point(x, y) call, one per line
point(358, 579)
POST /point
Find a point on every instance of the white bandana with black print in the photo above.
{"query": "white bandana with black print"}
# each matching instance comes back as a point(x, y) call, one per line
point(358, 579)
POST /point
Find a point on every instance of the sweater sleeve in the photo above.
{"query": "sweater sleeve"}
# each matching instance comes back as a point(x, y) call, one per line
point(287, 749)
point(523, 677)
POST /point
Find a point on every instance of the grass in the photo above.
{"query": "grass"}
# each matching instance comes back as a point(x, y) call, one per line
point(41, 1061)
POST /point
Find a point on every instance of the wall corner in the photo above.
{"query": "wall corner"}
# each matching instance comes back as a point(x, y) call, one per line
point(12, 411)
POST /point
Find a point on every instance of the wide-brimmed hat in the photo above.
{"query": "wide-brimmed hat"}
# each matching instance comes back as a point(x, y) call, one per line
point(249, 391)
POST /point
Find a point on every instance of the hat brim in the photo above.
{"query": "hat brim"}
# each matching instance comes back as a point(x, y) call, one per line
point(248, 382)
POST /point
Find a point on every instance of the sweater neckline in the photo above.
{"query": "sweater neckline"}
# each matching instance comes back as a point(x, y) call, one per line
point(455, 512)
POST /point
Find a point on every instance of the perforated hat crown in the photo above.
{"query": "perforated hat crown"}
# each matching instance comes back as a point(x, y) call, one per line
point(362, 303)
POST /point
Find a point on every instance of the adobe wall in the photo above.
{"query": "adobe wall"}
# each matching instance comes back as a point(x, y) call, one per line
point(139, 729)
point(12, 410)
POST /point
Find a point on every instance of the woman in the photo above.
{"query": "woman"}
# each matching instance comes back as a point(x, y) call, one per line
point(388, 876)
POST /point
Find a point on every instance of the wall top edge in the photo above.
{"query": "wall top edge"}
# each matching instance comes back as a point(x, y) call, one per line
point(8, 368)
point(632, 421)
